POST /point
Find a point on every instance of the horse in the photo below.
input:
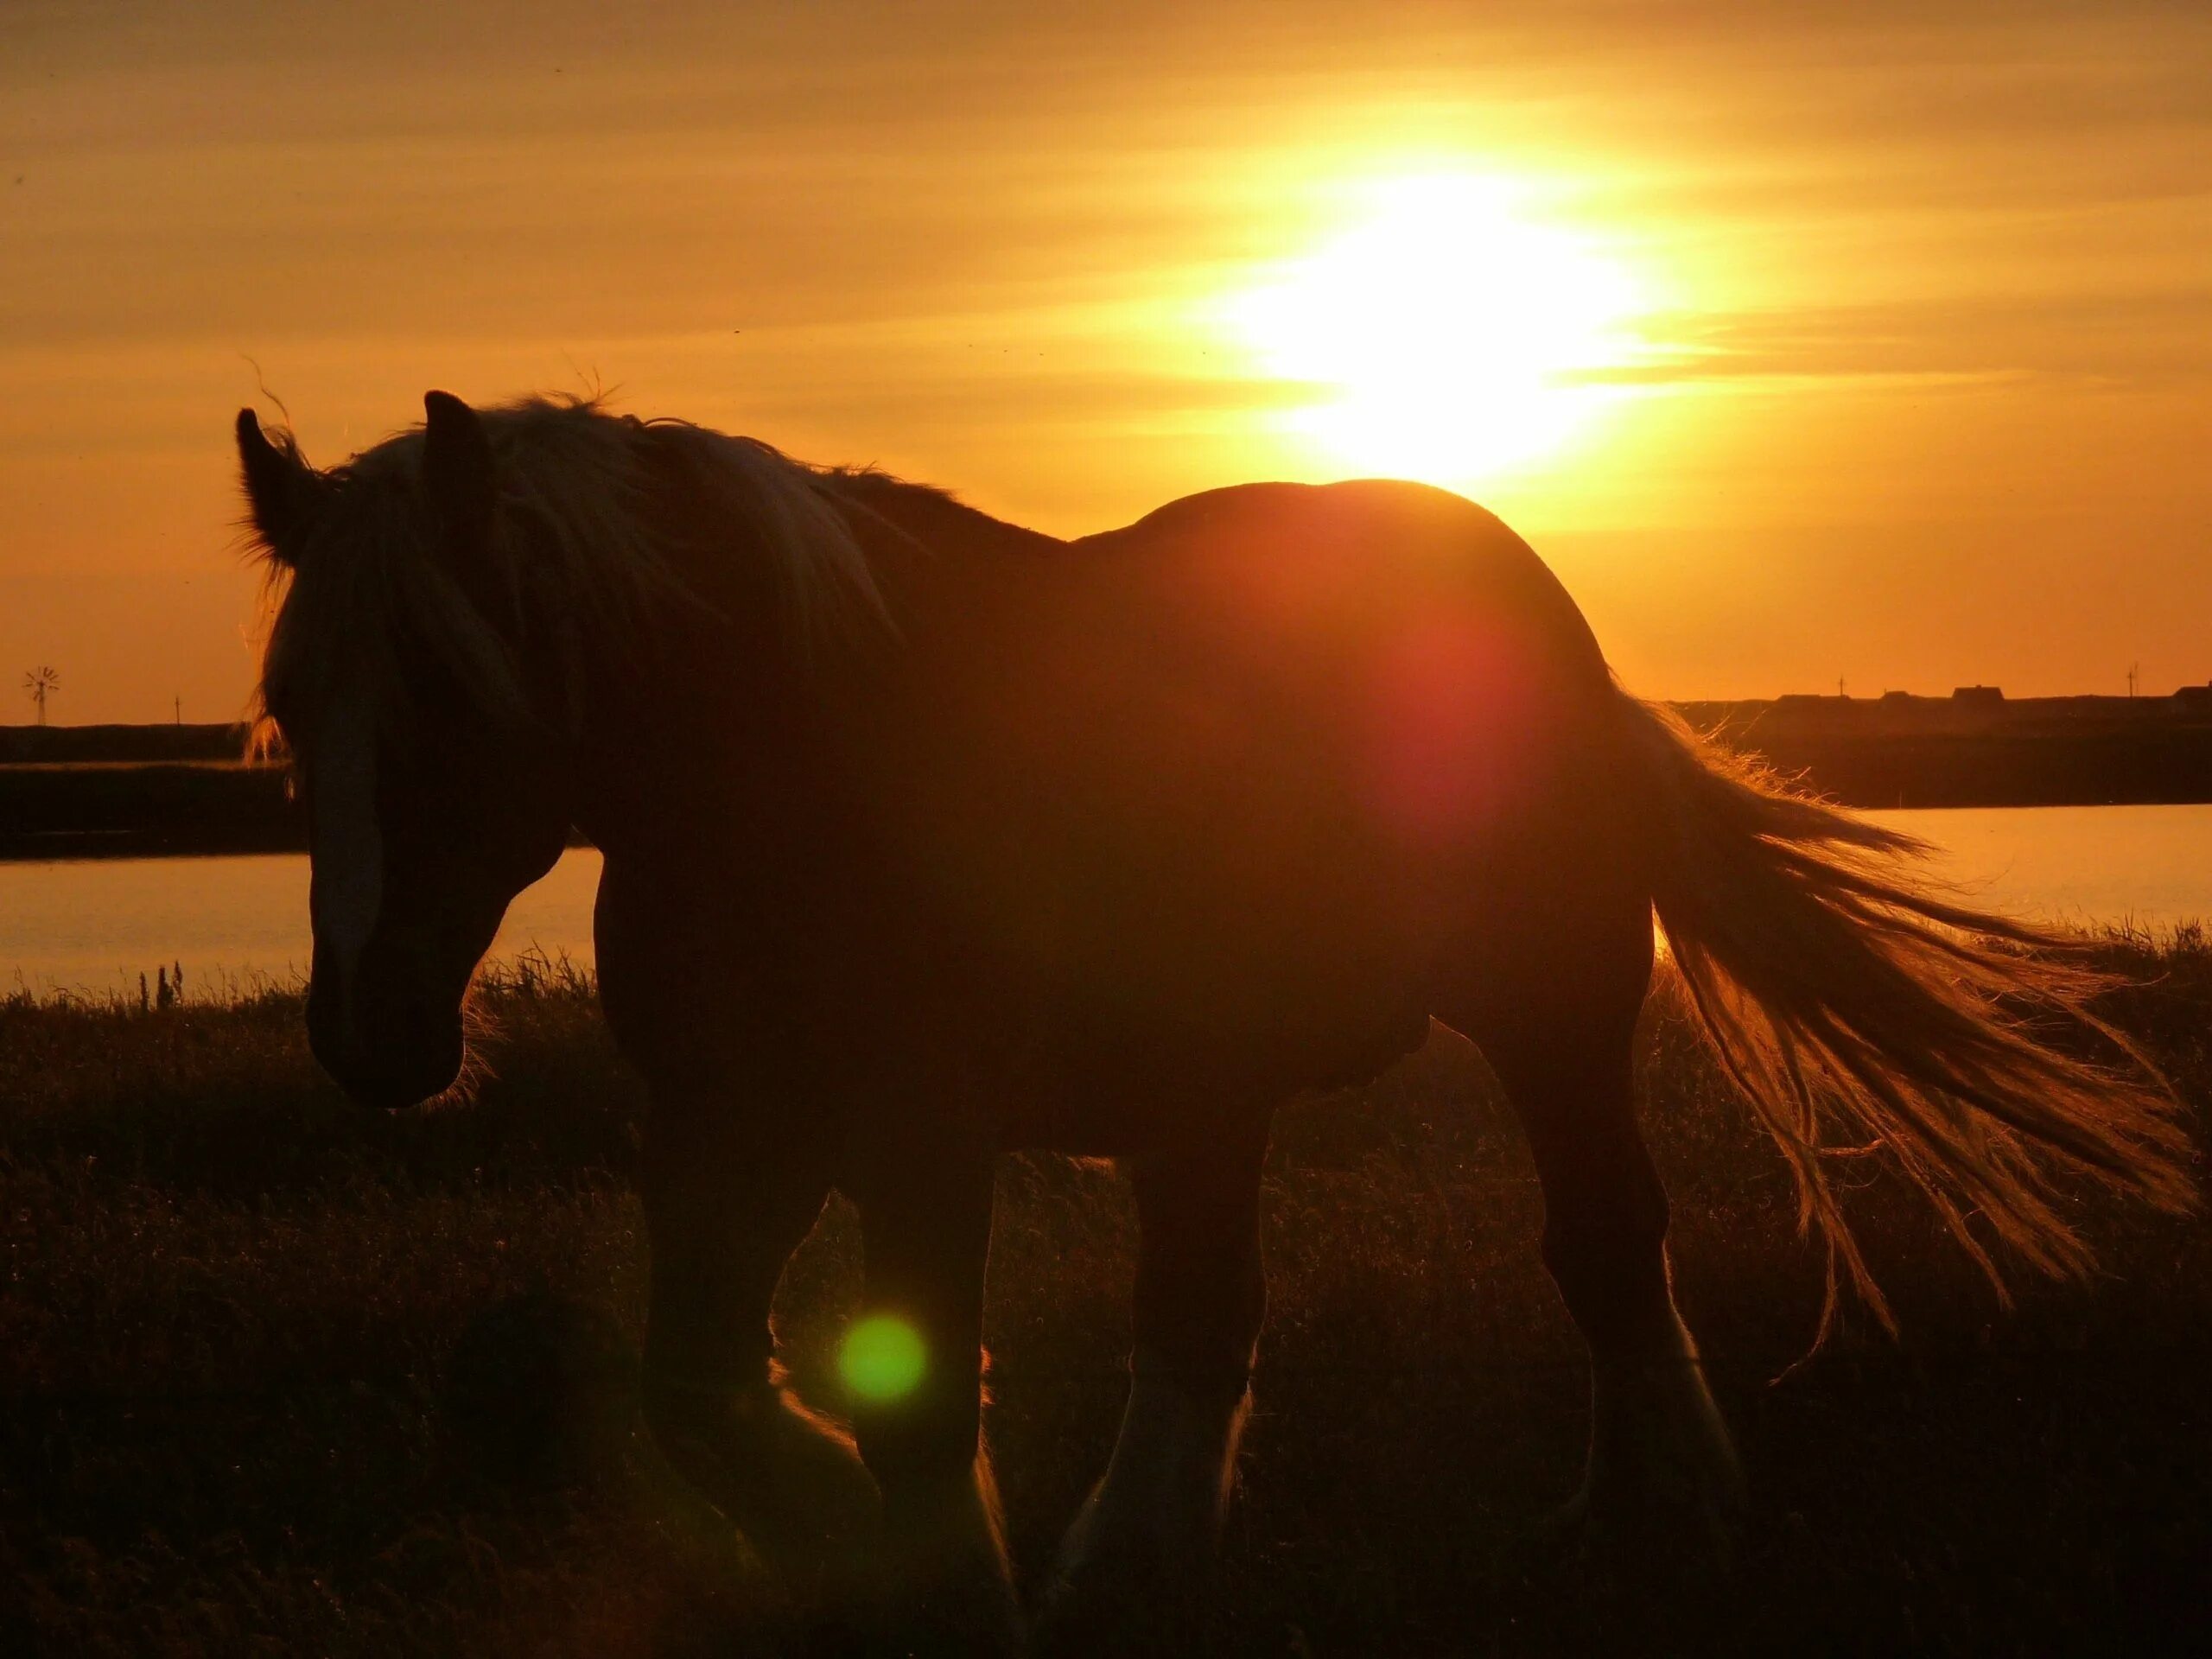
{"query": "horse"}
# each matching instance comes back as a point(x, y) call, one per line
point(927, 836)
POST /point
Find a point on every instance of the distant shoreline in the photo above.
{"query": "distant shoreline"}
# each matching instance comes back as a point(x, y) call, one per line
point(119, 790)
point(1977, 748)
point(123, 745)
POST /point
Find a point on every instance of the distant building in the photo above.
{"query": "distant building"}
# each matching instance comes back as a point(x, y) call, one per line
point(1897, 696)
point(1979, 696)
point(2196, 698)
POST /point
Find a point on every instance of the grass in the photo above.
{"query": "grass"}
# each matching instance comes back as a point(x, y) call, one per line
point(258, 1357)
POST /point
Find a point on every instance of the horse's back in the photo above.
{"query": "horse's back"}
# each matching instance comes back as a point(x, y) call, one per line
point(1234, 772)
point(1379, 661)
point(1339, 566)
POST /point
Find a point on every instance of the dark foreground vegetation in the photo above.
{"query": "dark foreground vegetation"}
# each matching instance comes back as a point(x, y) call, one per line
point(279, 1377)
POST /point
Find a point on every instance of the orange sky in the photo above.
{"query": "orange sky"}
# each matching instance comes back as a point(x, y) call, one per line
point(1916, 388)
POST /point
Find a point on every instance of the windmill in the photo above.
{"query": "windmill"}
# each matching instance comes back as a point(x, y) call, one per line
point(39, 682)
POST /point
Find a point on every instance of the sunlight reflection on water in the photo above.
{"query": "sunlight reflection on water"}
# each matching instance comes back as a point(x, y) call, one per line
point(2085, 867)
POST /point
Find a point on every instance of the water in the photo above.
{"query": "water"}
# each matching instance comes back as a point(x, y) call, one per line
point(93, 926)
point(2086, 867)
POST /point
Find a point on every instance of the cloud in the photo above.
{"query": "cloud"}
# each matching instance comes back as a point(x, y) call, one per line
point(2137, 339)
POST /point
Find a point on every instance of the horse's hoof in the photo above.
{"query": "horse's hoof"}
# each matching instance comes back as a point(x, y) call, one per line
point(1087, 1620)
point(943, 1583)
point(1645, 1539)
point(967, 1614)
point(1106, 1601)
point(787, 1480)
point(1663, 1495)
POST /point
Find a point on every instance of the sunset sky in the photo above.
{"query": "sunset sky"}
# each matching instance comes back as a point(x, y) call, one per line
point(1805, 341)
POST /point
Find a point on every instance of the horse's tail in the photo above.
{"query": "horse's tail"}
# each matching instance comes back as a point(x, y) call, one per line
point(1838, 986)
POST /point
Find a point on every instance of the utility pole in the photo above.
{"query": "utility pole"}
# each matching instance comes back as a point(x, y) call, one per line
point(2131, 668)
point(179, 702)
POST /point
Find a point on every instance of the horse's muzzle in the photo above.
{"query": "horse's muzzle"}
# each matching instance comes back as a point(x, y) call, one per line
point(384, 1050)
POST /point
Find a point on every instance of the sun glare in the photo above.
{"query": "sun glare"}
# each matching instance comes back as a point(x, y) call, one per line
point(1446, 335)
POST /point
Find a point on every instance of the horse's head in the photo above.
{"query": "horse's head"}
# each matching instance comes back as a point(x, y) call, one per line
point(434, 794)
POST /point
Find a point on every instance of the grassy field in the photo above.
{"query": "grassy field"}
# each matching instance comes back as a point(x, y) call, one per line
point(255, 1388)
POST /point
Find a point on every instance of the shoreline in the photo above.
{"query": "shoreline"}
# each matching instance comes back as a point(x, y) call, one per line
point(137, 791)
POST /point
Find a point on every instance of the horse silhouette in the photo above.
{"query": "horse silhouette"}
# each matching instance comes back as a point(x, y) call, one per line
point(928, 836)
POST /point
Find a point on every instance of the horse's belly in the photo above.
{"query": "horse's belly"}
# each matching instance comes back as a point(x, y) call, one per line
point(1113, 1087)
point(1192, 856)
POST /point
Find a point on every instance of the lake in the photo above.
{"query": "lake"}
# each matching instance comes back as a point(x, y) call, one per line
point(93, 926)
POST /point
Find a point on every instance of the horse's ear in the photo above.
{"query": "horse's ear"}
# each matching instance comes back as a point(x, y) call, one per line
point(459, 481)
point(457, 467)
point(280, 488)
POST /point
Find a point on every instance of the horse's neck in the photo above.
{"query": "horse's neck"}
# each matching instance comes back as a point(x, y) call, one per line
point(907, 528)
point(727, 731)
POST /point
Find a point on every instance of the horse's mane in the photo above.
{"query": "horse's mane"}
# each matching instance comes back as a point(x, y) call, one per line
point(608, 524)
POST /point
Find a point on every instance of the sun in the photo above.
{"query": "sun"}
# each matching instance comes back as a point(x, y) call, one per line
point(1444, 332)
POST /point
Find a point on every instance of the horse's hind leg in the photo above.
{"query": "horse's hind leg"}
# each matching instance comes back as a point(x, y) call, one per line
point(1147, 1534)
point(727, 1198)
point(1553, 1004)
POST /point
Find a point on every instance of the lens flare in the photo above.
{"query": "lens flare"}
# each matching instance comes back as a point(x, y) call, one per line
point(883, 1359)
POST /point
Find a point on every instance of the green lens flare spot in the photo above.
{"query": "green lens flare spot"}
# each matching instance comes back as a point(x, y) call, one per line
point(883, 1359)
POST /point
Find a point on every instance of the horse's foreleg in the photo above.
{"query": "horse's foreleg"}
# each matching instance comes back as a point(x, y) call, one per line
point(915, 1363)
point(1148, 1532)
point(727, 1201)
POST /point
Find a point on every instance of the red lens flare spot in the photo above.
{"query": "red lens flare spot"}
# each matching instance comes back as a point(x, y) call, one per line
point(1448, 738)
